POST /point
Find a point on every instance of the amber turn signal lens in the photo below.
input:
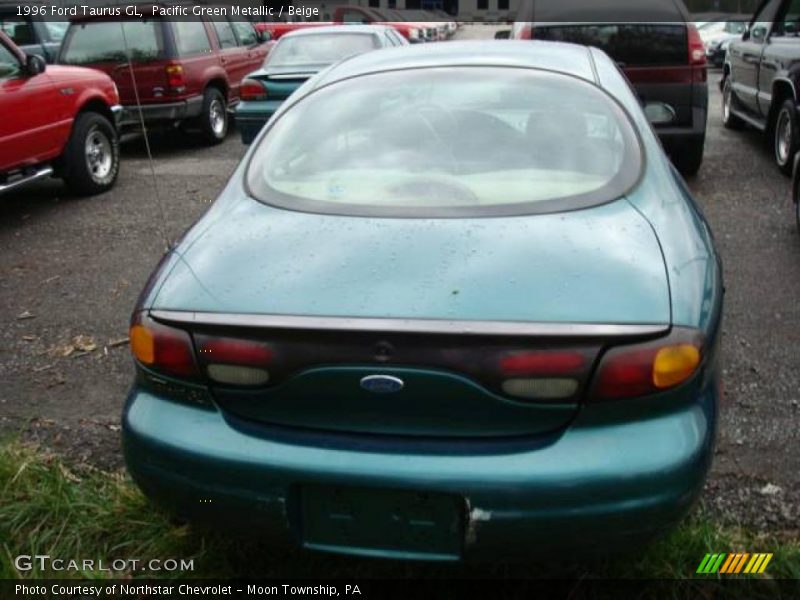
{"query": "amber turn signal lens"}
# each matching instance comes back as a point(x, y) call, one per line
point(675, 364)
point(143, 344)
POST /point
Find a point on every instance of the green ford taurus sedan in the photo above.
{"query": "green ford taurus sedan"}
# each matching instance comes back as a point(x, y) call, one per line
point(454, 304)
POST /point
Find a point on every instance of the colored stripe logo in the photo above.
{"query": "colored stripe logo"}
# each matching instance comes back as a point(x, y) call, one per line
point(733, 564)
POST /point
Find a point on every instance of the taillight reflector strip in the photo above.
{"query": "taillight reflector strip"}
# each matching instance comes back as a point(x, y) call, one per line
point(542, 363)
point(252, 89)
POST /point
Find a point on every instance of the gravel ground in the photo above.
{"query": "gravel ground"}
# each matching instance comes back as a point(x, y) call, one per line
point(71, 270)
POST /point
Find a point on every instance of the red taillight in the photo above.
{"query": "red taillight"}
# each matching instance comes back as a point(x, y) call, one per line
point(233, 351)
point(697, 51)
point(642, 369)
point(234, 361)
point(542, 363)
point(176, 80)
point(252, 90)
point(526, 33)
point(161, 348)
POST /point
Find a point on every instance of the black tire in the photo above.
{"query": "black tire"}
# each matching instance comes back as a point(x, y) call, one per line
point(90, 163)
point(688, 157)
point(785, 142)
point(729, 120)
point(214, 118)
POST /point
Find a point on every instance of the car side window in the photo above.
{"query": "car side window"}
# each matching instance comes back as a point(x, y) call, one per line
point(10, 66)
point(225, 34)
point(788, 22)
point(191, 37)
point(763, 20)
point(18, 29)
point(246, 32)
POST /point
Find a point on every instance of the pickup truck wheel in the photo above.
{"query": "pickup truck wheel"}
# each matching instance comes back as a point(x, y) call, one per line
point(729, 120)
point(91, 156)
point(688, 158)
point(785, 136)
point(214, 118)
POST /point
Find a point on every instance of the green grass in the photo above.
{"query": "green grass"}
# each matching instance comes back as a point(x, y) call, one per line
point(47, 507)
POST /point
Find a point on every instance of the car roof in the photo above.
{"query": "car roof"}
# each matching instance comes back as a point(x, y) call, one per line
point(569, 59)
point(336, 29)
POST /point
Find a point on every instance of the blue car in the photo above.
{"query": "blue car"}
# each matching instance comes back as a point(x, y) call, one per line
point(296, 57)
point(454, 304)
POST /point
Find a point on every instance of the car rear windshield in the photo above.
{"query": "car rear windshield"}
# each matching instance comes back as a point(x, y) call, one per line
point(105, 41)
point(465, 141)
point(323, 48)
point(628, 44)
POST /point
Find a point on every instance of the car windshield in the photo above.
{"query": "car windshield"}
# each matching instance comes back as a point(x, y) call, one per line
point(321, 48)
point(103, 41)
point(442, 141)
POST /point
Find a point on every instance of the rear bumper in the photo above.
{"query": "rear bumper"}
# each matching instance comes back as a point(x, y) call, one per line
point(602, 485)
point(132, 115)
point(252, 116)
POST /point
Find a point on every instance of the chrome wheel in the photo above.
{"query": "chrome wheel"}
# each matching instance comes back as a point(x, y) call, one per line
point(99, 154)
point(783, 137)
point(216, 117)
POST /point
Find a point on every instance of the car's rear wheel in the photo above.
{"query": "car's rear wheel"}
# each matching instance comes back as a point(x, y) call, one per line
point(785, 136)
point(91, 156)
point(214, 118)
point(688, 158)
point(729, 120)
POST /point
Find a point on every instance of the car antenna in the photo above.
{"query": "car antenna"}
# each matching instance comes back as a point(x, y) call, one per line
point(162, 217)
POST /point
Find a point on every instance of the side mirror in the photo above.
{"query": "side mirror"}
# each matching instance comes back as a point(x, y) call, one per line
point(34, 64)
point(503, 34)
point(263, 36)
point(659, 113)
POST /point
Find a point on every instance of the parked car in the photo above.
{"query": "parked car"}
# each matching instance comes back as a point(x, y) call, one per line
point(56, 121)
point(414, 32)
point(664, 59)
point(295, 58)
point(760, 79)
point(455, 303)
point(717, 37)
point(276, 29)
point(181, 72)
point(33, 34)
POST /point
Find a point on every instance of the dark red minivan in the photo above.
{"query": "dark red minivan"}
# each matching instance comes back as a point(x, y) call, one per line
point(180, 72)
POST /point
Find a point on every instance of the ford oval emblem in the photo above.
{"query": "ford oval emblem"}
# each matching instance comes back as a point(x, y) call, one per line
point(382, 384)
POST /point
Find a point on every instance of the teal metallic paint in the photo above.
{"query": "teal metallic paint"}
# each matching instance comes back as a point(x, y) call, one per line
point(614, 475)
point(532, 269)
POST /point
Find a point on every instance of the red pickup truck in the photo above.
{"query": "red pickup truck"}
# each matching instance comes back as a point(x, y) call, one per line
point(56, 120)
